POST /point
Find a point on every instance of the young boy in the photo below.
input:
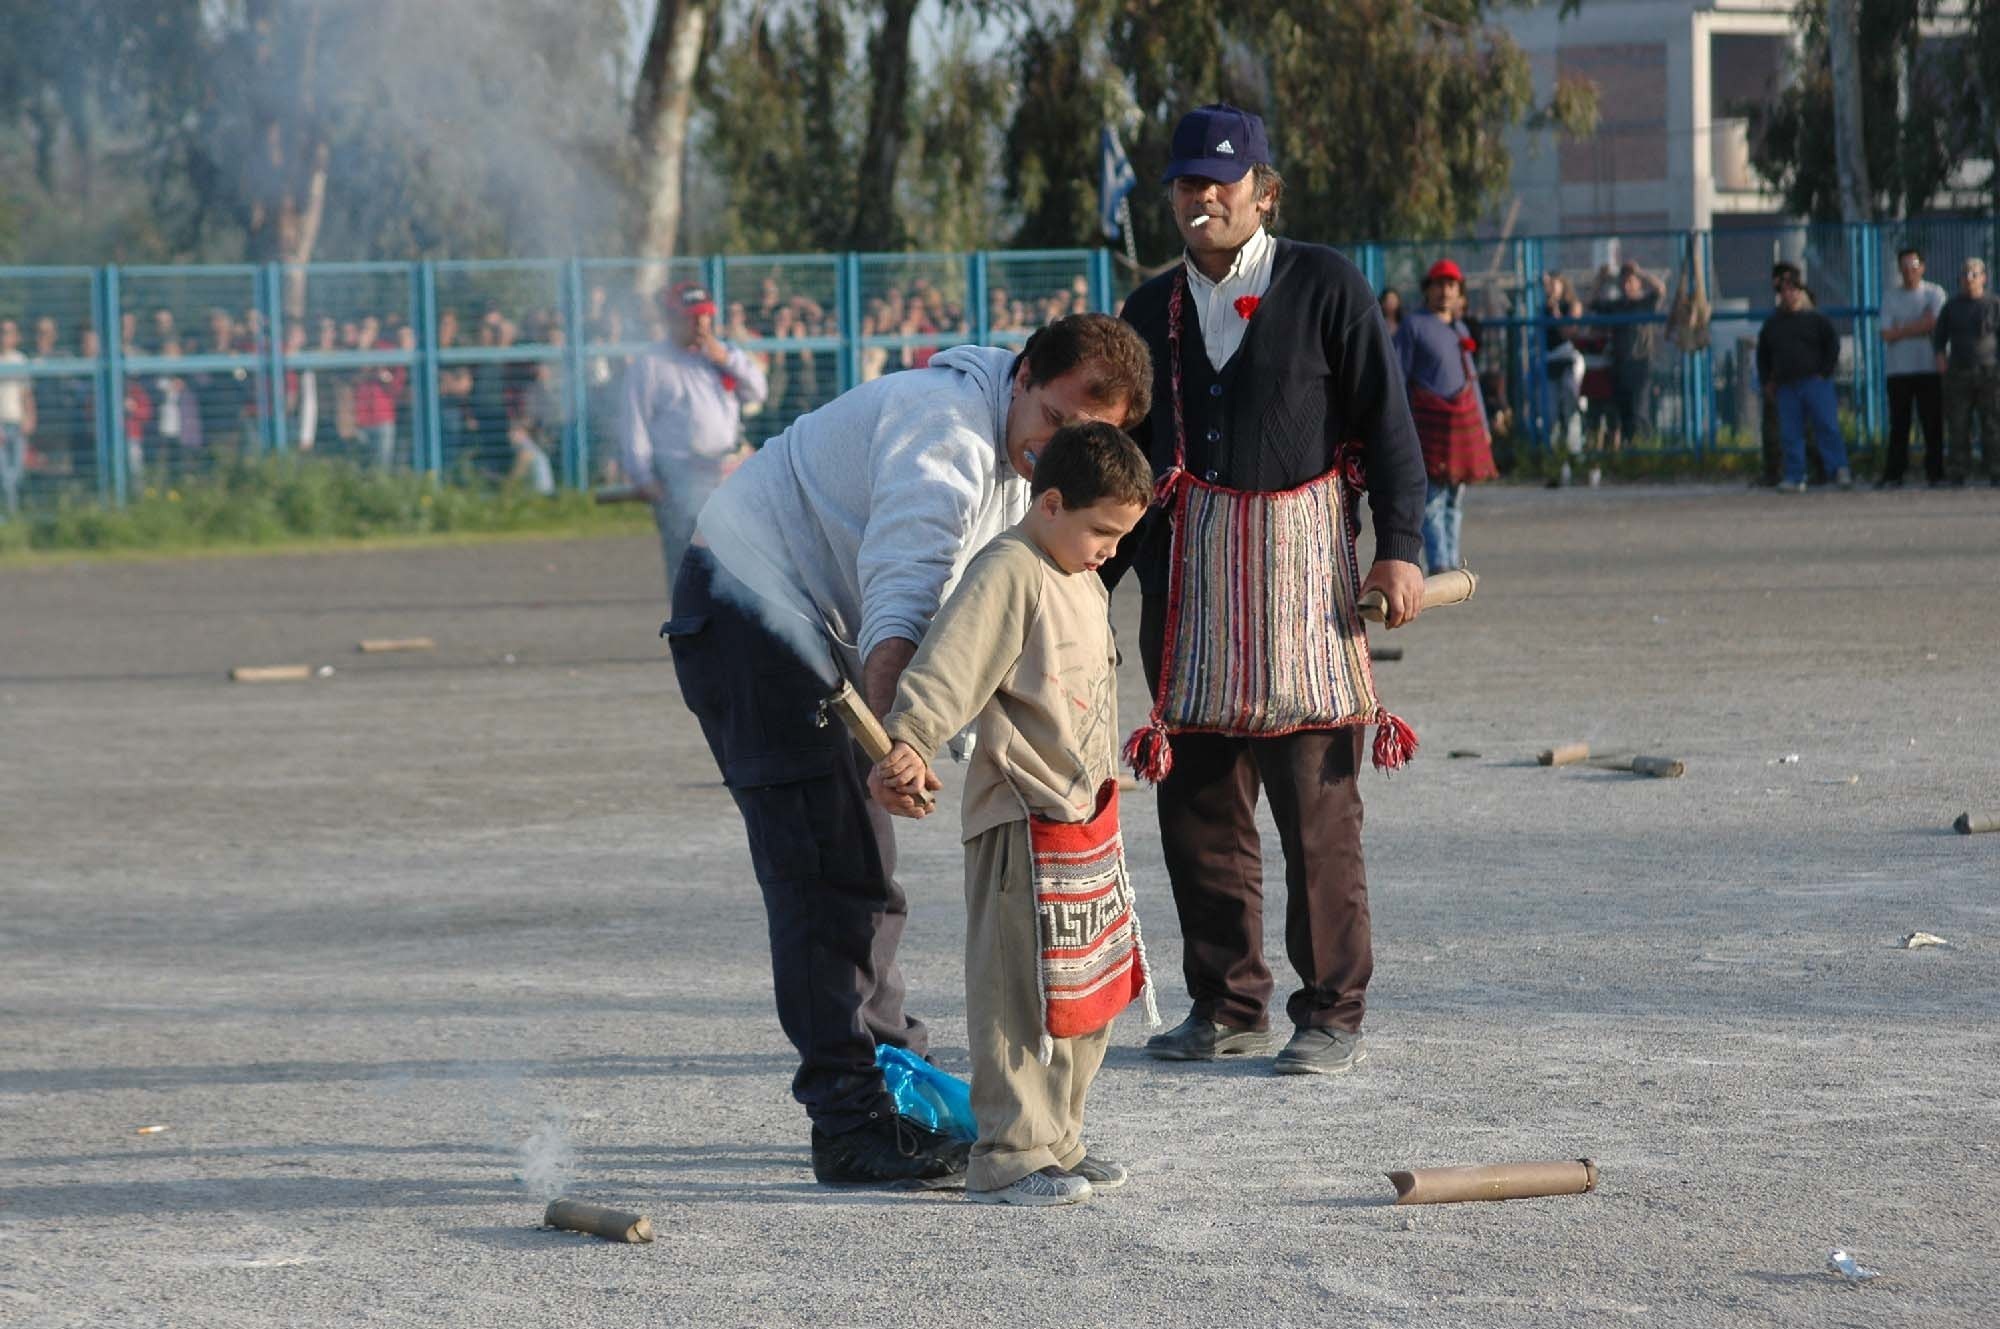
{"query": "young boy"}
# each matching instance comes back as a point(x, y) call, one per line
point(1052, 948)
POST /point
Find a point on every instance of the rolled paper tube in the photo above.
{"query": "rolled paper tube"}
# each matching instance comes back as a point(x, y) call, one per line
point(1385, 652)
point(377, 645)
point(846, 705)
point(1442, 588)
point(1564, 755)
point(598, 1221)
point(1976, 823)
point(1501, 1181)
point(1660, 768)
point(270, 673)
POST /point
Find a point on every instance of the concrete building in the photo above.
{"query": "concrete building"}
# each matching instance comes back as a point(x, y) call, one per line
point(1676, 79)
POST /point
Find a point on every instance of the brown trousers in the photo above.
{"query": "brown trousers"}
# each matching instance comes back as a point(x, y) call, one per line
point(1208, 831)
point(1030, 1115)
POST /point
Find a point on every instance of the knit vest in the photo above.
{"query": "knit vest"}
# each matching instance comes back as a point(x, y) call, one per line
point(1272, 418)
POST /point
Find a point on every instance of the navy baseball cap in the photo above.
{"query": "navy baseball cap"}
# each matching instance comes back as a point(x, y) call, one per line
point(1219, 142)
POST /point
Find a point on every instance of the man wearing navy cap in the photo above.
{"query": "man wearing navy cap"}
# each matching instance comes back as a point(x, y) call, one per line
point(1282, 360)
point(684, 403)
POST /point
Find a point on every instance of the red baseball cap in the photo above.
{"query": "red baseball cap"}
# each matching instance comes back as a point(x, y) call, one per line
point(691, 298)
point(1444, 270)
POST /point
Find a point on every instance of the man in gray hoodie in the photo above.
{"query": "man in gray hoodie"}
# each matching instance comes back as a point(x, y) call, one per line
point(826, 555)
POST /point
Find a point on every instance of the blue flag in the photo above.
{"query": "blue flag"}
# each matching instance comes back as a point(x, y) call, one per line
point(1114, 181)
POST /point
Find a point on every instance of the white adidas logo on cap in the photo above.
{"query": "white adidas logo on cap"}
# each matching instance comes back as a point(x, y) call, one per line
point(1225, 146)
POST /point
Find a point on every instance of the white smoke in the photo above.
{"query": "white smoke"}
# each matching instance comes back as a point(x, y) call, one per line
point(534, 1134)
point(547, 1160)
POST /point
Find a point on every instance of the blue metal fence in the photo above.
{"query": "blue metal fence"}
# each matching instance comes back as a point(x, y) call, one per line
point(457, 366)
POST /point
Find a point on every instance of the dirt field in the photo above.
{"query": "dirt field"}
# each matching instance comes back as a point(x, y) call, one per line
point(387, 951)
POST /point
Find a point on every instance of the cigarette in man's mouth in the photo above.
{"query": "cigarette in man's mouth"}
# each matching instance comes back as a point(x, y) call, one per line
point(1202, 220)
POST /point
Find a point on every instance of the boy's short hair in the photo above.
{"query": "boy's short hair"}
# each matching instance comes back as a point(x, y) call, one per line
point(1907, 250)
point(1090, 462)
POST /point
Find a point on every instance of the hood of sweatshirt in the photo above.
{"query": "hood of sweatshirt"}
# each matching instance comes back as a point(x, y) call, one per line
point(987, 366)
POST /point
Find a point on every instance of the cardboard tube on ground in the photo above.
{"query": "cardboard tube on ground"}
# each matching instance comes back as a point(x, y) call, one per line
point(1500, 1181)
point(1564, 754)
point(1380, 653)
point(270, 673)
point(1660, 768)
point(1441, 588)
point(377, 645)
point(598, 1221)
point(1976, 823)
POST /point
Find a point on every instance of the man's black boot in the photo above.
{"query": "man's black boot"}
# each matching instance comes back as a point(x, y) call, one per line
point(891, 1151)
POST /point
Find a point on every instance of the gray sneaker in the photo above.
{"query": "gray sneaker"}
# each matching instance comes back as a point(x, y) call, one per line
point(1048, 1186)
point(1196, 1039)
point(1320, 1052)
point(1102, 1173)
point(1843, 478)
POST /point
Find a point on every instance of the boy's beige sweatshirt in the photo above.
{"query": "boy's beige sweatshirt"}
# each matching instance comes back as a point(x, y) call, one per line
point(1028, 648)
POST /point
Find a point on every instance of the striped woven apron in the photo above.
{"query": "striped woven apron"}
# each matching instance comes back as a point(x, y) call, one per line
point(1092, 963)
point(1263, 632)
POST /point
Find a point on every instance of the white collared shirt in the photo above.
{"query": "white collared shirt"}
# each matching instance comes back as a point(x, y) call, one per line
point(1222, 327)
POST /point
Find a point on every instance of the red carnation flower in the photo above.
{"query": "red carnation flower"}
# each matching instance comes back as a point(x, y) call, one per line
point(1468, 345)
point(1246, 305)
point(729, 382)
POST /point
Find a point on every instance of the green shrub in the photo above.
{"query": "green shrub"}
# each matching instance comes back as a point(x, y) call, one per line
point(279, 499)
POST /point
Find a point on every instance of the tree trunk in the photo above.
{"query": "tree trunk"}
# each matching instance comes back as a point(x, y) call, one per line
point(660, 109)
point(287, 173)
point(1849, 146)
point(874, 225)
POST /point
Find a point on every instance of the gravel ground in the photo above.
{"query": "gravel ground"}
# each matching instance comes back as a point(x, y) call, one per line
point(390, 953)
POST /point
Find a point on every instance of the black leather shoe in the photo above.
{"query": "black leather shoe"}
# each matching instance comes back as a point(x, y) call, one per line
point(1320, 1052)
point(1196, 1039)
point(893, 1152)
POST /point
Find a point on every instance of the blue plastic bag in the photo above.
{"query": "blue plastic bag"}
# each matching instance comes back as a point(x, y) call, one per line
point(940, 1101)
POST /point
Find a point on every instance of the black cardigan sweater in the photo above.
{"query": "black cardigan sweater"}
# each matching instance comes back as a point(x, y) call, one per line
point(1315, 369)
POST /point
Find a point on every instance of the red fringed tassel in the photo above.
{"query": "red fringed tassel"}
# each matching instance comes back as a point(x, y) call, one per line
point(1395, 742)
point(1148, 752)
point(1163, 492)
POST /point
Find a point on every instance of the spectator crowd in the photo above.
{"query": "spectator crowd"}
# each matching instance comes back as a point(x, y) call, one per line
point(504, 417)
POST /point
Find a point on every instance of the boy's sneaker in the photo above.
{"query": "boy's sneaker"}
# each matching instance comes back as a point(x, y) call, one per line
point(1102, 1173)
point(895, 1152)
point(1049, 1186)
point(1843, 478)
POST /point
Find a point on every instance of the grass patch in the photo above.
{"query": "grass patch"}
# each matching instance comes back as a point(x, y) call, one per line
point(292, 501)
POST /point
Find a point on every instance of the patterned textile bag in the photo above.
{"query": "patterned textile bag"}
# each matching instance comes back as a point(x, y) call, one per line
point(1092, 963)
point(1263, 632)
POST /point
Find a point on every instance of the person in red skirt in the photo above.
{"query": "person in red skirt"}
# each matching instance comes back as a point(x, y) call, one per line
point(1436, 349)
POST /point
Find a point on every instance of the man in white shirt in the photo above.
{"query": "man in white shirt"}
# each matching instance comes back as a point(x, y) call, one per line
point(17, 417)
point(683, 426)
point(1909, 312)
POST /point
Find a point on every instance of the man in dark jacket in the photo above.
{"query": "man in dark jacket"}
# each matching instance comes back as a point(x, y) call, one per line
point(1798, 351)
point(1967, 338)
point(1283, 359)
